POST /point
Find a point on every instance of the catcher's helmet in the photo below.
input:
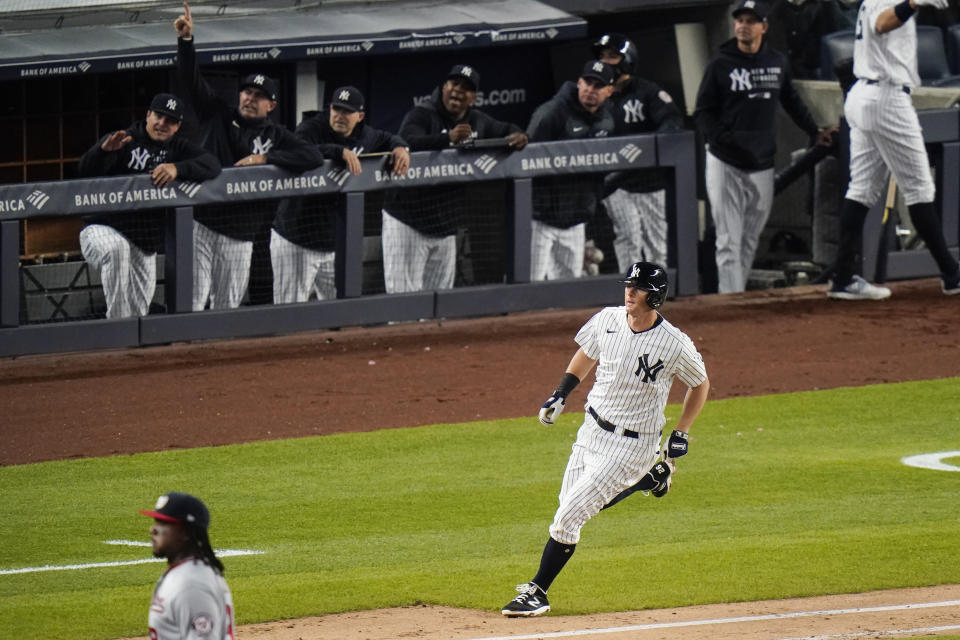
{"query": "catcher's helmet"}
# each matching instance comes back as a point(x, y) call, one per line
point(651, 278)
point(622, 45)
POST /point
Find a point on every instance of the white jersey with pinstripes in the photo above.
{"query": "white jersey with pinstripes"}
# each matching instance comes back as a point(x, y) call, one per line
point(636, 369)
point(191, 602)
point(888, 58)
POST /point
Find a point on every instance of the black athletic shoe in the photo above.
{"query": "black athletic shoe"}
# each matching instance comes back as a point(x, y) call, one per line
point(951, 286)
point(532, 601)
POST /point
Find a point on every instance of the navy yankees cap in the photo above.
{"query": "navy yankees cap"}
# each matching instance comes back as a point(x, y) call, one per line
point(180, 507)
point(262, 82)
point(465, 72)
point(348, 98)
point(599, 71)
point(167, 104)
point(757, 7)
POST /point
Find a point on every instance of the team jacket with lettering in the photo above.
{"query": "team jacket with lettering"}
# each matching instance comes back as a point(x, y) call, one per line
point(142, 155)
point(309, 221)
point(568, 200)
point(635, 370)
point(191, 602)
point(230, 137)
point(426, 128)
point(642, 107)
point(737, 105)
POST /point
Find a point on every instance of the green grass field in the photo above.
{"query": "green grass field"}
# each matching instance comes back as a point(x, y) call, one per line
point(787, 495)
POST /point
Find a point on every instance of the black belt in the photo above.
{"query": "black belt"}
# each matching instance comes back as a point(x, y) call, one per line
point(609, 426)
point(905, 88)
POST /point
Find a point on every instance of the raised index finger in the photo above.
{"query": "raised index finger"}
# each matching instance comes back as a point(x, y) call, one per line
point(186, 11)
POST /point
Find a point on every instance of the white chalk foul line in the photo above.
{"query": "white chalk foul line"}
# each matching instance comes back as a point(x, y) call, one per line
point(695, 623)
point(222, 553)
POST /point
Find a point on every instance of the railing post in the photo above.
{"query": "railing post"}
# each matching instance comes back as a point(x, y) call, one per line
point(679, 151)
point(349, 253)
point(518, 231)
point(9, 273)
point(178, 261)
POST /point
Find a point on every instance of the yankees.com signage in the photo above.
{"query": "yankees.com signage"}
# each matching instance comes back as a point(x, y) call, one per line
point(236, 184)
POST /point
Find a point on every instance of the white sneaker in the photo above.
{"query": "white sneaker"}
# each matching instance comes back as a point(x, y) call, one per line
point(858, 289)
point(951, 286)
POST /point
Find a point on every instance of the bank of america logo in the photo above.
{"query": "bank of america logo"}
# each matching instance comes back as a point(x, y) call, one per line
point(552, 33)
point(84, 66)
point(274, 52)
point(339, 176)
point(485, 163)
point(38, 199)
point(631, 152)
point(367, 45)
point(189, 188)
point(458, 38)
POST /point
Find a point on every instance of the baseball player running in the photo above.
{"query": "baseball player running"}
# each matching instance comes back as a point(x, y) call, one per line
point(191, 600)
point(885, 135)
point(639, 354)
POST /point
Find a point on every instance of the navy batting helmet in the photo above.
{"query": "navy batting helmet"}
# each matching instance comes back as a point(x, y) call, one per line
point(624, 46)
point(651, 278)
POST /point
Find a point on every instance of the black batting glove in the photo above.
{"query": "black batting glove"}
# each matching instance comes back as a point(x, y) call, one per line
point(678, 444)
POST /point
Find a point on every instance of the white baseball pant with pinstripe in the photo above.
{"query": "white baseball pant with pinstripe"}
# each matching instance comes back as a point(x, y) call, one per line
point(556, 253)
point(639, 226)
point(740, 203)
point(885, 134)
point(221, 269)
point(298, 270)
point(633, 378)
point(413, 261)
point(128, 274)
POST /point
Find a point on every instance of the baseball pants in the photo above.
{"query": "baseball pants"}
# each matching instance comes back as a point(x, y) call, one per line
point(601, 465)
point(221, 269)
point(885, 134)
point(128, 274)
point(740, 202)
point(556, 253)
point(297, 270)
point(413, 261)
point(639, 226)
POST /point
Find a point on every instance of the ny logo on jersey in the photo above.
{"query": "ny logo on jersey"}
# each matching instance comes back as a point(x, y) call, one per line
point(649, 373)
point(633, 111)
point(261, 146)
point(138, 159)
point(740, 80)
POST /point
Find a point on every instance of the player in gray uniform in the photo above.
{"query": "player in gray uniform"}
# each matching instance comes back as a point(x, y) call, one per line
point(191, 600)
point(639, 354)
point(885, 136)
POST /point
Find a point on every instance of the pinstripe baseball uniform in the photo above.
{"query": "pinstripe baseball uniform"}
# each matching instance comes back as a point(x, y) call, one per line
point(885, 137)
point(191, 602)
point(633, 378)
point(884, 128)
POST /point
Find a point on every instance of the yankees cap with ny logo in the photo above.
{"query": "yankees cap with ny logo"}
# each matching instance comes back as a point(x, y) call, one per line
point(263, 82)
point(348, 98)
point(167, 104)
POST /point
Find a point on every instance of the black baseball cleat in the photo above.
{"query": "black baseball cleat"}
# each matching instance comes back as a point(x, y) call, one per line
point(532, 601)
point(951, 286)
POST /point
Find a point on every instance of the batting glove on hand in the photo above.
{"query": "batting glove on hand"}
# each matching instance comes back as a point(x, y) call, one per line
point(552, 409)
point(936, 4)
point(677, 445)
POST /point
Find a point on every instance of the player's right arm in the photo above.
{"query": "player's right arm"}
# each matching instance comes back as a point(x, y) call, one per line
point(580, 365)
point(202, 97)
point(896, 16)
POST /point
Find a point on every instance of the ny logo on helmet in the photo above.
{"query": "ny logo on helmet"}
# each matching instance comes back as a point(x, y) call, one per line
point(344, 95)
point(172, 104)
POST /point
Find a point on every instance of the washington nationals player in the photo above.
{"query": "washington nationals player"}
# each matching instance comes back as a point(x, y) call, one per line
point(885, 135)
point(192, 600)
point(639, 354)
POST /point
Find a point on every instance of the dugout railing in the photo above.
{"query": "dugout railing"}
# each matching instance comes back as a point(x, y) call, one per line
point(25, 202)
